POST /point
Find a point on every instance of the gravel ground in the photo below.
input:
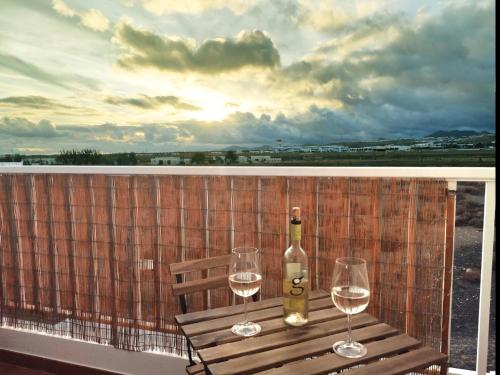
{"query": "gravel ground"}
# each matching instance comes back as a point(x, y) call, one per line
point(465, 304)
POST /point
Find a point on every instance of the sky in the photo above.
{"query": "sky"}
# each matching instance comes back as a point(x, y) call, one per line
point(169, 75)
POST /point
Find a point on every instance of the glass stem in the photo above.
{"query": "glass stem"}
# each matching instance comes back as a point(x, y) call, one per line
point(349, 338)
point(245, 308)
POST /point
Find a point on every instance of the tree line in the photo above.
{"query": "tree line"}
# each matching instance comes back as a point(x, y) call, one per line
point(94, 157)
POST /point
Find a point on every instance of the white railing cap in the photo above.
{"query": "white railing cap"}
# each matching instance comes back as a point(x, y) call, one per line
point(448, 173)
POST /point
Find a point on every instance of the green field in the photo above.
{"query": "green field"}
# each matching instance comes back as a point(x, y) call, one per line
point(424, 158)
point(413, 158)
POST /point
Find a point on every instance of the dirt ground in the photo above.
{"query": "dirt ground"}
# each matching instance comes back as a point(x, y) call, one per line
point(465, 305)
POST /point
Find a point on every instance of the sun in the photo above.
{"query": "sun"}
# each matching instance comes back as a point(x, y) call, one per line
point(213, 105)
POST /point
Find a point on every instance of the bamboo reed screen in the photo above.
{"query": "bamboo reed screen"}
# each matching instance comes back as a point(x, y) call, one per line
point(87, 256)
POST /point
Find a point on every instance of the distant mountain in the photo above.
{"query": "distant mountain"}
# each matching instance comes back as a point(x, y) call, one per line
point(455, 133)
point(241, 148)
point(263, 148)
point(234, 148)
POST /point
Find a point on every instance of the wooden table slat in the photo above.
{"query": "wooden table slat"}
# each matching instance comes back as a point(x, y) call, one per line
point(197, 369)
point(220, 312)
point(402, 364)
point(268, 326)
point(333, 362)
point(254, 316)
point(283, 338)
point(264, 360)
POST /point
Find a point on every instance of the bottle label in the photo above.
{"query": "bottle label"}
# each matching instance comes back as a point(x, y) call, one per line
point(297, 288)
point(295, 232)
point(296, 278)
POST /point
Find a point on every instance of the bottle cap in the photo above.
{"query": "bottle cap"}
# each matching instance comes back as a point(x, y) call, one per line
point(296, 213)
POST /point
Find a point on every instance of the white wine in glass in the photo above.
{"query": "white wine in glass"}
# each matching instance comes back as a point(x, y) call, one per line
point(245, 278)
point(245, 284)
point(350, 294)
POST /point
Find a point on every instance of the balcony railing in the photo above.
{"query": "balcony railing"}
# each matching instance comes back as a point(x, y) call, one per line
point(151, 217)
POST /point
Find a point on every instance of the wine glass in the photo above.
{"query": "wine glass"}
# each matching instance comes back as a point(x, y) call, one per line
point(245, 278)
point(351, 294)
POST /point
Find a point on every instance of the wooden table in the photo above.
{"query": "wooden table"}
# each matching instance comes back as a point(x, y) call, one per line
point(280, 349)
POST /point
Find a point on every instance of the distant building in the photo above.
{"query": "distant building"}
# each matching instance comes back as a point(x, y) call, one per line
point(380, 148)
point(166, 160)
point(11, 163)
point(218, 158)
point(310, 149)
point(333, 148)
point(423, 145)
point(403, 148)
point(242, 159)
point(267, 159)
point(40, 160)
point(260, 158)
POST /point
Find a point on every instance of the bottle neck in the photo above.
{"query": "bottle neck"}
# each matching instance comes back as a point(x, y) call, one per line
point(295, 234)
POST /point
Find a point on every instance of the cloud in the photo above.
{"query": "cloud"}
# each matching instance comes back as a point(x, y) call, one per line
point(20, 127)
point(92, 18)
point(436, 73)
point(337, 18)
point(17, 65)
point(60, 7)
point(95, 20)
point(144, 49)
point(160, 7)
point(27, 69)
point(240, 128)
point(376, 74)
point(152, 102)
point(33, 101)
point(369, 32)
point(315, 125)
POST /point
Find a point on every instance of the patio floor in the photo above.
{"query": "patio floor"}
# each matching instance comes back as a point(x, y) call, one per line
point(8, 369)
point(12, 363)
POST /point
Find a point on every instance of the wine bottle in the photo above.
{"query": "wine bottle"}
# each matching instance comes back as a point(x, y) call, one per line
point(295, 276)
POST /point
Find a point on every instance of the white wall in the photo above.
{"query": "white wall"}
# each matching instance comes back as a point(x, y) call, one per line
point(90, 355)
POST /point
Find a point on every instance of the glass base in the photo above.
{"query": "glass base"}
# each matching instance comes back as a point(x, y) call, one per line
point(246, 329)
point(349, 349)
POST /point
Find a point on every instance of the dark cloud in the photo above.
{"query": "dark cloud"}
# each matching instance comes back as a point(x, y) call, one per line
point(33, 101)
point(298, 70)
point(314, 126)
point(152, 102)
point(357, 29)
point(20, 127)
point(437, 75)
point(144, 49)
